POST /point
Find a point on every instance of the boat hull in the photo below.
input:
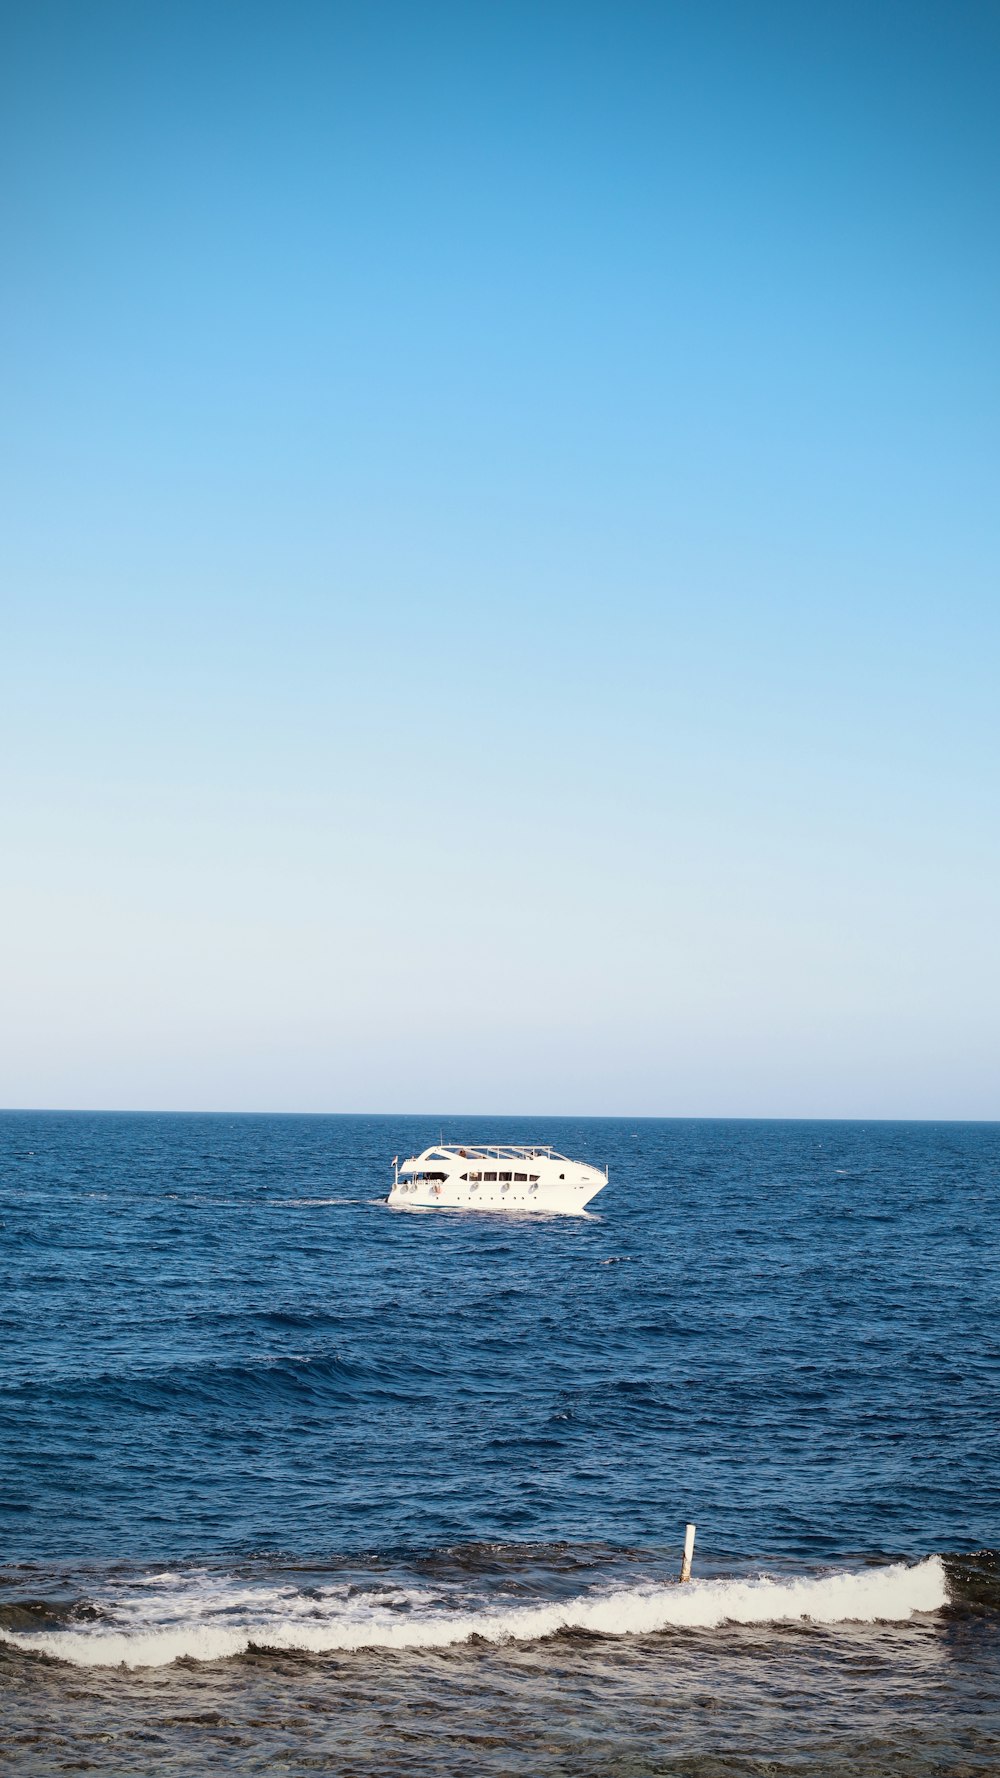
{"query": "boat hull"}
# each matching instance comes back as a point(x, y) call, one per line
point(569, 1199)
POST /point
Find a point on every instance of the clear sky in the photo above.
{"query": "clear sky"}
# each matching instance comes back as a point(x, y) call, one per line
point(499, 556)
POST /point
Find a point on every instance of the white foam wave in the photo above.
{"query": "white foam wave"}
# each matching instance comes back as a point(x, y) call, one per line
point(311, 1203)
point(204, 1619)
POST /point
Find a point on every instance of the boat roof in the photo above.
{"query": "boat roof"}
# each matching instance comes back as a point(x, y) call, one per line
point(493, 1151)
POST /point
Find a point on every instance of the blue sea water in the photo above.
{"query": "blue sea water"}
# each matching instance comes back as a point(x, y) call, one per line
point(417, 1482)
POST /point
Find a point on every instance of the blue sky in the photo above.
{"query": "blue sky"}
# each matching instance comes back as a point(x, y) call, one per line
point(499, 560)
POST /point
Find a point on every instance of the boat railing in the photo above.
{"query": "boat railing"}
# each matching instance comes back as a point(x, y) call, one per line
point(499, 1151)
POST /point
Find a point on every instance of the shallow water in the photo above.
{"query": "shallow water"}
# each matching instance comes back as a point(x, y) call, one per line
point(365, 1491)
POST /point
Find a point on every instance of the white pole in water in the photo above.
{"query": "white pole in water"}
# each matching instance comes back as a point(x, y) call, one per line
point(689, 1531)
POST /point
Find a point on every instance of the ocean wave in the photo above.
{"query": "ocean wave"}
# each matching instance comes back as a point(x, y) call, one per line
point(209, 1618)
point(268, 1376)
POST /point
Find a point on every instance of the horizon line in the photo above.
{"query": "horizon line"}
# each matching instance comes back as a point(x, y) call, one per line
point(500, 1116)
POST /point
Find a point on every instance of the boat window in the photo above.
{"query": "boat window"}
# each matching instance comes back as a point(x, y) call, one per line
point(475, 1176)
point(505, 1176)
point(534, 1178)
point(430, 1175)
point(490, 1176)
point(523, 1177)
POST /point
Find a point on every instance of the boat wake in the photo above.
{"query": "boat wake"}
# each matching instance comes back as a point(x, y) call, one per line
point(204, 1617)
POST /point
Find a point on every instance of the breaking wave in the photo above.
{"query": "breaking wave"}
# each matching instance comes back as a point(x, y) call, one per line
point(204, 1618)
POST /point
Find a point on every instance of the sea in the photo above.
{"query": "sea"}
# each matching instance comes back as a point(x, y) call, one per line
point(291, 1482)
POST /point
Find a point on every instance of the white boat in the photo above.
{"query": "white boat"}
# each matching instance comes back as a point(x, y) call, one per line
point(504, 1177)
